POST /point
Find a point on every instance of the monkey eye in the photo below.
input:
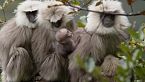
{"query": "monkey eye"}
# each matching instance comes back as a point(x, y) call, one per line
point(106, 15)
point(57, 24)
point(48, 6)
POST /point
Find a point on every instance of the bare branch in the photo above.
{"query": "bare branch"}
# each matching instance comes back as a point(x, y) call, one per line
point(84, 9)
point(5, 19)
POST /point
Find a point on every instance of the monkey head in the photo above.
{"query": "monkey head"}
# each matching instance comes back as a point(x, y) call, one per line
point(106, 22)
point(63, 35)
point(26, 13)
point(54, 14)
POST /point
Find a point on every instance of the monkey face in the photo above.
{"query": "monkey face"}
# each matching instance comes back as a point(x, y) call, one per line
point(31, 15)
point(54, 14)
point(57, 24)
point(51, 11)
point(108, 20)
point(27, 13)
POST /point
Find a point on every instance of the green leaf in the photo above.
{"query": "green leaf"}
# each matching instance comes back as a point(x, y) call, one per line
point(80, 62)
point(140, 73)
point(75, 2)
point(124, 48)
point(80, 24)
point(133, 33)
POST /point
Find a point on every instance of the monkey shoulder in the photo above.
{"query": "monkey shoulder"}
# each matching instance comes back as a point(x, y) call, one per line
point(11, 34)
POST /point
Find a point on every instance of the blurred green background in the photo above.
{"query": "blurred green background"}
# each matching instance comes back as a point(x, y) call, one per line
point(139, 5)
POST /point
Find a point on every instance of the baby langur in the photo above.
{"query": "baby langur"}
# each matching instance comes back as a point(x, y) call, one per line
point(15, 44)
point(101, 41)
point(50, 55)
point(66, 44)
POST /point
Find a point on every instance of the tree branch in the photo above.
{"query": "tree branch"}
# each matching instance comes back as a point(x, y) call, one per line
point(84, 9)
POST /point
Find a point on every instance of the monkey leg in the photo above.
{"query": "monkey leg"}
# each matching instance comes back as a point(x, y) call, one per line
point(20, 66)
point(109, 67)
point(54, 68)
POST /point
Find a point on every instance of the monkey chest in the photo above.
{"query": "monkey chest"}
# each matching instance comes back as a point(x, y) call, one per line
point(102, 46)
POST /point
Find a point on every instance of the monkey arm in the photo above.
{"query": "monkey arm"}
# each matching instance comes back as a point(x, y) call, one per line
point(66, 48)
point(54, 68)
point(65, 43)
point(15, 52)
point(20, 65)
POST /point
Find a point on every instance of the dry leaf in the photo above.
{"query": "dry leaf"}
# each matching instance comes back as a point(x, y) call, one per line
point(64, 1)
point(142, 13)
point(130, 2)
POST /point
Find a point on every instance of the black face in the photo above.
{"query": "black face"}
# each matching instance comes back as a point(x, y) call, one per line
point(57, 24)
point(108, 20)
point(31, 15)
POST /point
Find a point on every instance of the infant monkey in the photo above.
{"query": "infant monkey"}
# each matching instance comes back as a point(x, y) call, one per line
point(65, 43)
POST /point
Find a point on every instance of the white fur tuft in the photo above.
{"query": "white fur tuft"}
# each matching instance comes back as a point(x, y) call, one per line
point(21, 19)
point(52, 11)
point(94, 24)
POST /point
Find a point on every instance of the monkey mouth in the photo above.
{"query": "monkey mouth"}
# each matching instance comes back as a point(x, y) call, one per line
point(31, 15)
point(57, 24)
point(108, 24)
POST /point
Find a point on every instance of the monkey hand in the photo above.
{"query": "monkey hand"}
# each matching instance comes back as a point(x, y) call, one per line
point(109, 66)
point(63, 36)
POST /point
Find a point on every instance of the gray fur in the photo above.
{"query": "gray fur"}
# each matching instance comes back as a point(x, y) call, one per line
point(49, 55)
point(15, 45)
point(15, 51)
point(96, 46)
point(99, 42)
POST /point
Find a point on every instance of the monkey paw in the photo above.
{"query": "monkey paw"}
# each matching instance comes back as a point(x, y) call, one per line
point(109, 66)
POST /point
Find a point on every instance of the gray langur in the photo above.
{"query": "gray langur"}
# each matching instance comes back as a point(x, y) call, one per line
point(100, 39)
point(15, 44)
point(49, 49)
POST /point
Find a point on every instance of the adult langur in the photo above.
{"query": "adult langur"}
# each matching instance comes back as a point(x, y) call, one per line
point(100, 39)
point(15, 44)
point(50, 50)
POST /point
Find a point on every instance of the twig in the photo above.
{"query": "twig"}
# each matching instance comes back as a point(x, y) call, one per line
point(84, 9)
point(86, 4)
point(131, 7)
point(5, 19)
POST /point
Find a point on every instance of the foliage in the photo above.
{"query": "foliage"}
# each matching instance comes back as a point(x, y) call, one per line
point(132, 62)
point(132, 53)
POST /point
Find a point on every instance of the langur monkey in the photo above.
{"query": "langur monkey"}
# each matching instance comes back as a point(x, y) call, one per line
point(50, 49)
point(15, 44)
point(100, 40)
